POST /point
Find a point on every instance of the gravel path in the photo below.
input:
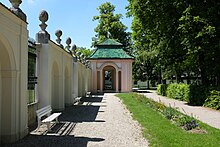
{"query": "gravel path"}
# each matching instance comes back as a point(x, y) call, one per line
point(100, 121)
point(114, 124)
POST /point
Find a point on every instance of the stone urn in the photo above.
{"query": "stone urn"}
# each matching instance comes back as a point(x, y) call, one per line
point(15, 3)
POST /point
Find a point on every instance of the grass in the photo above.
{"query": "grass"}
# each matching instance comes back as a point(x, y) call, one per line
point(159, 131)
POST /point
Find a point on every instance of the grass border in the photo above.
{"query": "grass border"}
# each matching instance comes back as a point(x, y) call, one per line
point(159, 131)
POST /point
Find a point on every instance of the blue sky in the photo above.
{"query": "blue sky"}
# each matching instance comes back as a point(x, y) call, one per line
point(73, 17)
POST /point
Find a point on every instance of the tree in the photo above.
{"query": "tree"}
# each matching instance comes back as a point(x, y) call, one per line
point(144, 66)
point(110, 26)
point(182, 36)
point(155, 31)
point(84, 51)
point(200, 31)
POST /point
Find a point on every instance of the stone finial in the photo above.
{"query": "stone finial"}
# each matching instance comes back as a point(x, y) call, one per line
point(82, 58)
point(74, 49)
point(74, 53)
point(78, 56)
point(43, 17)
point(15, 9)
point(15, 3)
point(59, 33)
point(68, 42)
point(87, 64)
point(43, 36)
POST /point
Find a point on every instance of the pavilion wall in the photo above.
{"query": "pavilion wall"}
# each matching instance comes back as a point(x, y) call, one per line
point(123, 80)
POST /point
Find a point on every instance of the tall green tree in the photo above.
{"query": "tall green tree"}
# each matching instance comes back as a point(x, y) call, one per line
point(182, 35)
point(144, 66)
point(200, 31)
point(84, 51)
point(110, 26)
point(159, 22)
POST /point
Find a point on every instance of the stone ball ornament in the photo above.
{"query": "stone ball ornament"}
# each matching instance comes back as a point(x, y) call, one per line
point(68, 41)
point(74, 47)
point(15, 3)
point(58, 33)
point(78, 53)
point(82, 56)
point(43, 17)
point(16, 10)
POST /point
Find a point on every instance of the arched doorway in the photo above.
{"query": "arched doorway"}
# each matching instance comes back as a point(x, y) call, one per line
point(6, 93)
point(109, 78)
point(55, 86)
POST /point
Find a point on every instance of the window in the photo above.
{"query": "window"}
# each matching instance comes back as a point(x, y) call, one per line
point(32, 79)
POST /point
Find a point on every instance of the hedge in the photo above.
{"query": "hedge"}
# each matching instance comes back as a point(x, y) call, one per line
point(161, 89)
point(213, 100)
point(197, 95)
point(178, 91)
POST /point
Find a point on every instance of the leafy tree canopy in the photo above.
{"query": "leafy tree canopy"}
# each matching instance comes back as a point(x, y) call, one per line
point(180, 37)
point(84, 51)
point(110, 26)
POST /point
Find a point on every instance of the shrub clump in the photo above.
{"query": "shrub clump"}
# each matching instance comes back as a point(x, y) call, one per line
point(162, 89)
point(178, 91)
point(213, 100)
point(197, 95)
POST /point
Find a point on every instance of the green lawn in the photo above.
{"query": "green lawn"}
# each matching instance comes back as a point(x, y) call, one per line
point(159, 131)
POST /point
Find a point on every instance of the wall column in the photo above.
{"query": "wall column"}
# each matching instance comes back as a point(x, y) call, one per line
point(116, 80)
point(101, 81)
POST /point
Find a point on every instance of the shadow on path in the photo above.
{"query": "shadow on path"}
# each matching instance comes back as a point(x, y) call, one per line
point(84, 112)
point(61, 135)
point(54, 141)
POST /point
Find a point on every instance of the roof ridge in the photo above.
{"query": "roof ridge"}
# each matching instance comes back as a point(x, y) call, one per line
point(110, 42)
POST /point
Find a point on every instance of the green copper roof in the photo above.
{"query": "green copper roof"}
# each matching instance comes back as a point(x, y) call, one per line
point(110, 53)
point(110, 42)
point(110, 49)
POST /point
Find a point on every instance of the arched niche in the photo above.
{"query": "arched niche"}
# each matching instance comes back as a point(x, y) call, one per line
point(7, 91)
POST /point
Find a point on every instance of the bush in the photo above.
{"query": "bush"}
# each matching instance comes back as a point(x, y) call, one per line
point(213, 100)
point(198, 95)
point(178, 91)
point(161, 89)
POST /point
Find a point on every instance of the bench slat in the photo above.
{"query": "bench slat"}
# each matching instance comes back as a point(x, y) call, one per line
point(77, 99)
point(51, 117)
point(46, 111)
point(88, 94)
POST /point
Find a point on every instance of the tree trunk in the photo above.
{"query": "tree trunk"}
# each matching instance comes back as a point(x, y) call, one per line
point(148, 84)
point(204, 78)
point(159, 80)
point(218, 80)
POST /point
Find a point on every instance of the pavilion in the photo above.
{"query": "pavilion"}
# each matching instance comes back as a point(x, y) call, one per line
point(111, 68)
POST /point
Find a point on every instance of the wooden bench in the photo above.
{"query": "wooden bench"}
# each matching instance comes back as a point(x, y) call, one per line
point(76, 100)
point(46, 111)
point(88, 94)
